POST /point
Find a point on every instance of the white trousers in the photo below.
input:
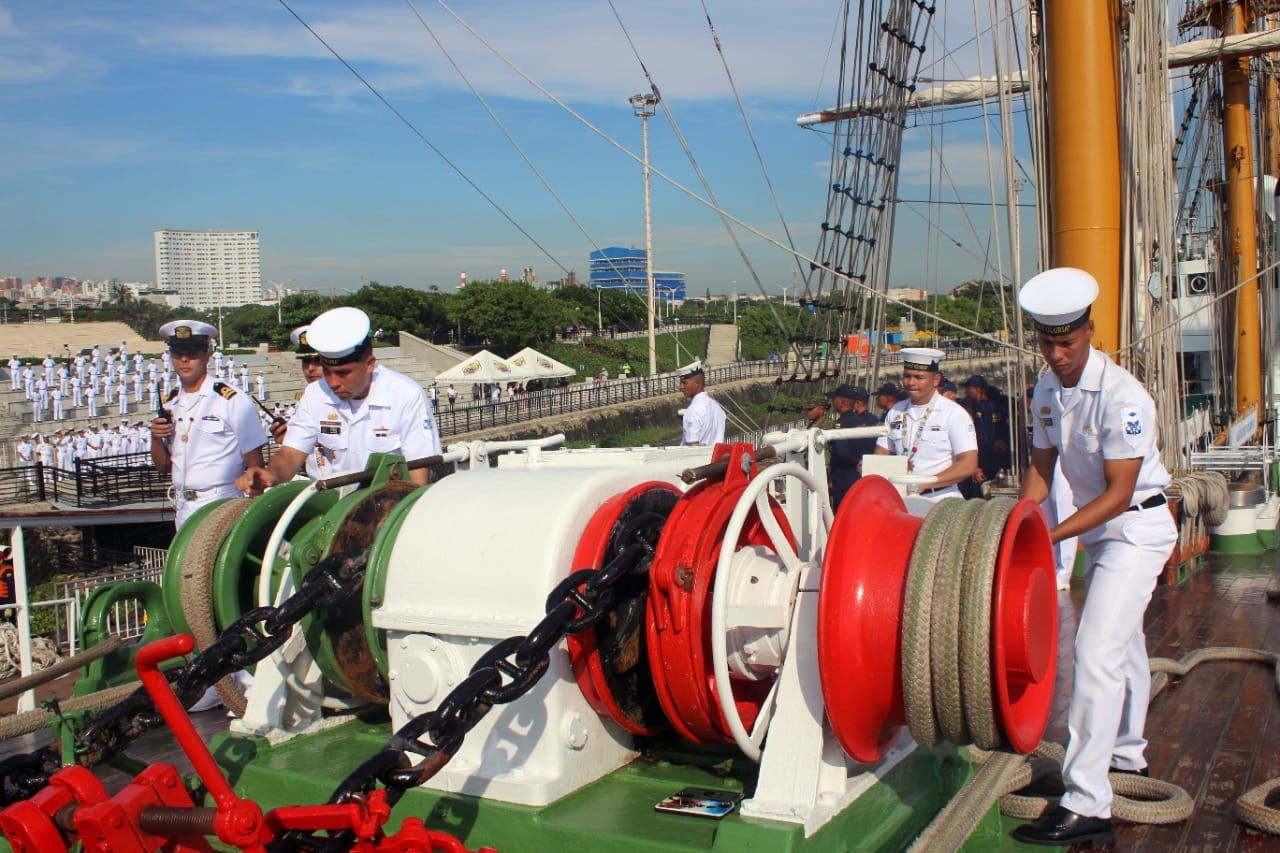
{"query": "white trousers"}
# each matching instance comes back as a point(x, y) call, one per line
point(1112, 677)
point(184, 509)
point(1058, 507)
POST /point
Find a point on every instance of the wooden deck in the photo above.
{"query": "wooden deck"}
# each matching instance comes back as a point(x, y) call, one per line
point(1216, 731)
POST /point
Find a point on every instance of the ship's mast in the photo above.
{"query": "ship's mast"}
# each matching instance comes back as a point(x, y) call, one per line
point(1084, 150)
point(1237, 143)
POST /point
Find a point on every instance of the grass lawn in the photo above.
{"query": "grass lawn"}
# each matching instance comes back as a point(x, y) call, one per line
point(593, 354)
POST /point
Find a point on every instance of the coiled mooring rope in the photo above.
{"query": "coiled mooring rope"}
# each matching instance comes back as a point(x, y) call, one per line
point(1205, 494)
point(1138, 799)
point(946, 658)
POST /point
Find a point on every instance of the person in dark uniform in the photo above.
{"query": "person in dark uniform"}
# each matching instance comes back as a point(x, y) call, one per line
point(982, 411)
point(887, 396)
point(850, 405)
point(948, 388)
point(1000, 427)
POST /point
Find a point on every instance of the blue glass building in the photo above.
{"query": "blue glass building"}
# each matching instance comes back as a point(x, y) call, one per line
point(616, 268)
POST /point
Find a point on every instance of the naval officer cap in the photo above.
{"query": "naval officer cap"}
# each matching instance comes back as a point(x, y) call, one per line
point(691, 369)
point(188, 336)
point(298, 337)
point(922, 358)
point(340, 336)
point(1059, 300)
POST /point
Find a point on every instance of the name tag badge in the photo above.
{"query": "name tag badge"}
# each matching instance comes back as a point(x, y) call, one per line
point(330, 429)
point(381, 432)
point(1046, 422)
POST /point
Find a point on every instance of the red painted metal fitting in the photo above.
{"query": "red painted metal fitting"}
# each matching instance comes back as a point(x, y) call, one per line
point(414, 837)
point(864, 576)
point(29, 826)
point(113, 826)
point(678, 611)
point(584, 652)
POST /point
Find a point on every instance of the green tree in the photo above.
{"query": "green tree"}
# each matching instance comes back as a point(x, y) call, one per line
point(395, 308)
point(510, 315)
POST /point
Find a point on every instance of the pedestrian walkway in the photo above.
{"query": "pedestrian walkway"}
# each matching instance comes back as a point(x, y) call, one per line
point(722, 345)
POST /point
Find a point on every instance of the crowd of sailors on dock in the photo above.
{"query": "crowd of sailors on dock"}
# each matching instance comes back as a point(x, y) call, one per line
point(98, 383)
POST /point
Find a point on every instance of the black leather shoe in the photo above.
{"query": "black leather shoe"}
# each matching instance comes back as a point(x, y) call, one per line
point(1048, 785)
point(1063, 827)
point(1144, 772)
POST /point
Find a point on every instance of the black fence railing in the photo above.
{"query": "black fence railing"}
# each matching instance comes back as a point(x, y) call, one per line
point(109, 480)
point(563, 401)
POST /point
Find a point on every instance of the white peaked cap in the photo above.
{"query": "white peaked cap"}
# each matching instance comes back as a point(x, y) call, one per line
point(1059, 298)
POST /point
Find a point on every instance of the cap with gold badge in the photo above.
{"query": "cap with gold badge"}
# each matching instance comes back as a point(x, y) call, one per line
point(340, 336)
point(301, 343)
point(922, 358)
point(1059, 300)
point(188, 336)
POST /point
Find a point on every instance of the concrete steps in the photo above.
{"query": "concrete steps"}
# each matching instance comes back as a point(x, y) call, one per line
point(722, 345)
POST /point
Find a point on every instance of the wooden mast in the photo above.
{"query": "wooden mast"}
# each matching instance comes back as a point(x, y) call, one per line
point(1242, 216)
point(1084, 150)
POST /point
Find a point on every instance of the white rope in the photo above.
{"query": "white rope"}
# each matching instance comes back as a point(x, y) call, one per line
point(43, 651)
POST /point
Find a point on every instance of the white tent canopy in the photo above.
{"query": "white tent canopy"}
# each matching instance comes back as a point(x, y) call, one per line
point(484, 366)
point(542, 366)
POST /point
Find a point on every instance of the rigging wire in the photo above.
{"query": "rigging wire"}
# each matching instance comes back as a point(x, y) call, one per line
point(755, 145)
point(421, 136)
point(524, 156)
point(702, 178)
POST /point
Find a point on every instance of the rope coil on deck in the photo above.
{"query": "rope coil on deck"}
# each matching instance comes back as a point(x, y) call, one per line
point(1139, 799)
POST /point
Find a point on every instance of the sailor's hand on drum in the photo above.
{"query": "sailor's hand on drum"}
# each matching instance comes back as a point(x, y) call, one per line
point(255, 481)
point(160, 428)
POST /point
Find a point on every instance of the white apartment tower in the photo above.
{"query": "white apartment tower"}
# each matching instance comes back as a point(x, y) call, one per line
point(209, 268)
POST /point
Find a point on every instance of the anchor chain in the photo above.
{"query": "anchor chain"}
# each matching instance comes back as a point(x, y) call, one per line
point(250, 639)
point(503, 674)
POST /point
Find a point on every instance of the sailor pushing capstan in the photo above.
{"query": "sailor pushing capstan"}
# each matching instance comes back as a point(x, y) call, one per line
point(360, 408)
point(1095, 418)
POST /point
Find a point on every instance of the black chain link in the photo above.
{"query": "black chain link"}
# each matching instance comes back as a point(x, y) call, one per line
point(503, 674)
point(250, 639)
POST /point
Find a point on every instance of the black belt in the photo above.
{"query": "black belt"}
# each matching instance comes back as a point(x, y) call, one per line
point(1150, 503)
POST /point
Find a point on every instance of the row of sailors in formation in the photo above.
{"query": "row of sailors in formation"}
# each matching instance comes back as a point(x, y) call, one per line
point(61, 449)
point(82, 364)
point(48, 398)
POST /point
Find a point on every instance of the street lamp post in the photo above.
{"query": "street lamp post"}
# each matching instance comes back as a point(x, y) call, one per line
point(644, 107)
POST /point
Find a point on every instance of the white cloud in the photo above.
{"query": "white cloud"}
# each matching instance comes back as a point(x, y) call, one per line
point(27, 58)
point(574, 47)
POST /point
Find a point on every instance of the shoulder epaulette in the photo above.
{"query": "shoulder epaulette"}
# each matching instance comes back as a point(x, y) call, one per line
point(173, 393)
point(225, 390)
point(298, 395)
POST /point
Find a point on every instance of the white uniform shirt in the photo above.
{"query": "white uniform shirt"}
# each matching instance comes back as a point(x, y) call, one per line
point(220, 431)
point(703, 421)
point(394, 418)
point(945, 431)
point(1108, 415)
point(25, 452)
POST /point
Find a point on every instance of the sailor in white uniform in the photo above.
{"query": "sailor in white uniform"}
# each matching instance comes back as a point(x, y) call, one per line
point(1098, 420)
point(934, 432)
point(703, 419)
point(212, 434)
point(360, 408)
point(317, 466)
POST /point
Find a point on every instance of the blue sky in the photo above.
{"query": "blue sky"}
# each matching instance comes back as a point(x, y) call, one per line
point(120, 118)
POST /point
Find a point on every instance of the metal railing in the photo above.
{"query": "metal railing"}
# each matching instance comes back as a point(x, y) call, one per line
point(576, 398)
point(110, 480)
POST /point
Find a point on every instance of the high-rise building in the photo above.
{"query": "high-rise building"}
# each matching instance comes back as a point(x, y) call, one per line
point(625, 269)
point(209, 268)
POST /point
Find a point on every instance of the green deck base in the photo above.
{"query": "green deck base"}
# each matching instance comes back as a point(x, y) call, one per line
point(1245, 543)
point(616, 813)
point(1267, 539)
